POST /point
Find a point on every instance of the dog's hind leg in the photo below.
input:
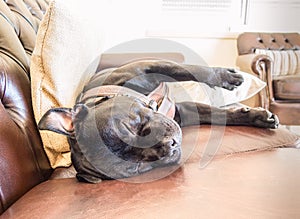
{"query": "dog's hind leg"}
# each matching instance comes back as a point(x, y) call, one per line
point(189, 113)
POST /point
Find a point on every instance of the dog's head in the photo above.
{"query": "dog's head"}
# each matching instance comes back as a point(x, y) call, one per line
point(116, 137)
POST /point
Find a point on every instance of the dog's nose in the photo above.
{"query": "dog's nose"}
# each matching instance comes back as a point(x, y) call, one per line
point(174, 154)
point(174, 142)
point(171, 143)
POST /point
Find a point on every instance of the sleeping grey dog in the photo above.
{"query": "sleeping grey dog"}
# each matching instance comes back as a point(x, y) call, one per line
point(124, 124)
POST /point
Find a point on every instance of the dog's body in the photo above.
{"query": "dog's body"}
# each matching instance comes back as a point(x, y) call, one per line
point(117, 135)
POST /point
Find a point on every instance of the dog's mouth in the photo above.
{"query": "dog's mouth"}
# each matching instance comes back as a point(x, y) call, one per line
point(168, 151)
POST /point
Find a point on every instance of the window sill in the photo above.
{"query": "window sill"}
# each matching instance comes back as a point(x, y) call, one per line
point(191, 34)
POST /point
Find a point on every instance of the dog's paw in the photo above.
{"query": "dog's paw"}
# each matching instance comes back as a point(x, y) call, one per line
point(260, 117)
point(227, 78)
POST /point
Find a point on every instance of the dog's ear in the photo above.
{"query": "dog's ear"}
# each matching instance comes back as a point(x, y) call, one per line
point(58, 120)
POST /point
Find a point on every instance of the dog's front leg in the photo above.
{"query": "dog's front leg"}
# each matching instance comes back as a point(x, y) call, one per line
point(212, 76)
point(189, 113)
point(167, 71)
point(215, 76)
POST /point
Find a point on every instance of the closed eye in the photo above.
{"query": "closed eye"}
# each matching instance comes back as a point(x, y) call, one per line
point(128, 128)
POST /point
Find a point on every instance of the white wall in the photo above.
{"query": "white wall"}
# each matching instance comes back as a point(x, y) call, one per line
point(135, 19)
point(216, 49)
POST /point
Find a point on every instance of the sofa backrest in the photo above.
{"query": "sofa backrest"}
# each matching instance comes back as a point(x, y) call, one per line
point(23, 163)
point(250, 41)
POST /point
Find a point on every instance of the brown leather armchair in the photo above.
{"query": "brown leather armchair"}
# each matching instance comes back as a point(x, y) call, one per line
point(266, 54)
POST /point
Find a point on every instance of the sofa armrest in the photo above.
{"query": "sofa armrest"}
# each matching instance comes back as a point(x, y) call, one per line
point(23, 163)
point(260, 66)
point(244, 62)
point(252, 63)
point(110, 60)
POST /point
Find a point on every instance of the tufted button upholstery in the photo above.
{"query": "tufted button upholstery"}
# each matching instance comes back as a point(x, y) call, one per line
point(248, 42)
point(20, 148)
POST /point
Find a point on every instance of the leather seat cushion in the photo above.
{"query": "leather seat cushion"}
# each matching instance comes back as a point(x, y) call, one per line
point(287, 87)
point(263, 184)
point(258, 178)
point(203, 143)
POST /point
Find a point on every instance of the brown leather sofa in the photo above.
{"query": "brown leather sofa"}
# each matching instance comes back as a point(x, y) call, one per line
point(282, 95)
point(23, 161)
point(254, 172)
